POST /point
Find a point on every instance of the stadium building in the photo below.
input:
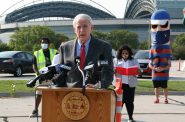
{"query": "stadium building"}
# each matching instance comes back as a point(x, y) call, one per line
point(58, 16)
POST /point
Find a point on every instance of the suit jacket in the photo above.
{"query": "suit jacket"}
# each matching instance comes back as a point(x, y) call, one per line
point(96, 49)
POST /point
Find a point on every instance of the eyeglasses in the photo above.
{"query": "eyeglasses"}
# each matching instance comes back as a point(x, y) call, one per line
point(162, 26)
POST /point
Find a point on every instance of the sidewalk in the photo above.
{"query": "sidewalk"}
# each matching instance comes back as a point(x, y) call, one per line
point(18, 109)
point(147, 111)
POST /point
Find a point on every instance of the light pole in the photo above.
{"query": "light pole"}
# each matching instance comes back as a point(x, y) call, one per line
point(149, 35)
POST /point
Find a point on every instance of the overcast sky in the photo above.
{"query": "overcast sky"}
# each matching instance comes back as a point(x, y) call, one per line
point(116, 7)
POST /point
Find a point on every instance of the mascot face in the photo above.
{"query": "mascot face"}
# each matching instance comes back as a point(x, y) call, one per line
point(160, 27)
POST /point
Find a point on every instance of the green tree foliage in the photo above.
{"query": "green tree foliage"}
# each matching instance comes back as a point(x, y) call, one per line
point(100, 35)
point(120, 37)
point(144, 45)
point(178, 47)
point(28, 38)
point(60, 38)
point(4, 47)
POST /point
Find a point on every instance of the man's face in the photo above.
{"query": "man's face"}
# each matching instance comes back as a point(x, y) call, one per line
point(83, 29)
point(44, 44)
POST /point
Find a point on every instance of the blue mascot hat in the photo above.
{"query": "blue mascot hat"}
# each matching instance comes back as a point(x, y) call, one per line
point(160, 17)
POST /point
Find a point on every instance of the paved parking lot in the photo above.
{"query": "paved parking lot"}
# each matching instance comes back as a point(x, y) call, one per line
point(175, 73)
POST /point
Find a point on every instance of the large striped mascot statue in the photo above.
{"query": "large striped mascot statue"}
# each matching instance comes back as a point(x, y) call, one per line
point(160, 51)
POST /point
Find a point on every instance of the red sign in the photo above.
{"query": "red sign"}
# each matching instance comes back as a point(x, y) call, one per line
point(127, 71)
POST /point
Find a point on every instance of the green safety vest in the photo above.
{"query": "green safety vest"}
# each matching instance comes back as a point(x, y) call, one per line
point(41, 62)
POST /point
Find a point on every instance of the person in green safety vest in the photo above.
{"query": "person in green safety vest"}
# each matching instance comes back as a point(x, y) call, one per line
point(42, 58)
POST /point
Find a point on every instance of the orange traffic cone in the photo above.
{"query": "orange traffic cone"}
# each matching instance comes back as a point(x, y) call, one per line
point(119, 93)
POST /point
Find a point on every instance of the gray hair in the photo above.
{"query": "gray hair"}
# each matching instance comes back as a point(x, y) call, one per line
point(82, 16)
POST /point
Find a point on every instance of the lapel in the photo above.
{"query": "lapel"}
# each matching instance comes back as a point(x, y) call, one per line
point(73, 47)
point(90, 55)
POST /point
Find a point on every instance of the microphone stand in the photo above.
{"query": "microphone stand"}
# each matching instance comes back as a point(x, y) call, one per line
point(83, 77)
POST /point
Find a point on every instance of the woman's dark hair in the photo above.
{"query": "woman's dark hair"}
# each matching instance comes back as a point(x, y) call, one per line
point(45, 39)
point(124, 47)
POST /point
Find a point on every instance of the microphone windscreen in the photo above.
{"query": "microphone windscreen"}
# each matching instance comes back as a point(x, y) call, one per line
point(77, 60)
point(102, 61)
point(66, 67)
point(101, 57)
point(89, 66)
point(69, 63)
point(61, 67)
point(90, 63)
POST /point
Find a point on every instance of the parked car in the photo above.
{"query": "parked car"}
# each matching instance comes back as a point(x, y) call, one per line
point(142, 57)
point(16, 62)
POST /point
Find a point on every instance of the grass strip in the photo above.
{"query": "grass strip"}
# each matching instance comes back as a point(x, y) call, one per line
point(12, 86)
point(147, 85)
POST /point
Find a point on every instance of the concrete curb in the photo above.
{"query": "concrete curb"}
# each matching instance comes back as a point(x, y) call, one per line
point(27, 94)
point(179, 93)
point(18, 94)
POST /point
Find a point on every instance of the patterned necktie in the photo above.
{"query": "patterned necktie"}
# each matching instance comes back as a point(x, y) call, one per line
point(82, 56)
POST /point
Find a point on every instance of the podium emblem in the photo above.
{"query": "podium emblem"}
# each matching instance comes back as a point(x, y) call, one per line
point(75, 105)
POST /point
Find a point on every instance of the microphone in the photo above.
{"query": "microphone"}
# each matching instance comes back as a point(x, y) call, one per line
point(32, 82)
point(101, 57)
point(88, 70)
point(60, 67)
point(77, 60)
point(62, 70)
point(48, 73)
point(102, 64)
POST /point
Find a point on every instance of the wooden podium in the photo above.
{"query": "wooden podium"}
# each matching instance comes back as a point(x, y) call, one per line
point(70, 105)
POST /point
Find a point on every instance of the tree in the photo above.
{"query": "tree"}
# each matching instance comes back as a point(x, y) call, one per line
point(118, 37)
point(4, 47)
point(28, 38)
point(100, 35)
point(121, 37)
point(178, 47)
point(144, 45)
point(60, 38)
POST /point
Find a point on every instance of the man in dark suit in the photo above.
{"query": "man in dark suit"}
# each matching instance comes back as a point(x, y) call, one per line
point(90, 50)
